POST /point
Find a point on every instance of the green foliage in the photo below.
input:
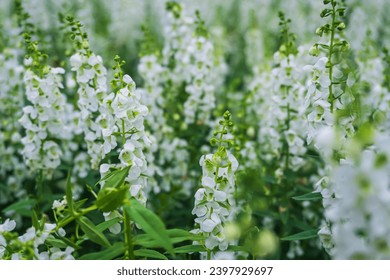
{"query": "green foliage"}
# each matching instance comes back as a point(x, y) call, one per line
point(88, 227)
point(150, 223)
point(308, 196)
point(116, 250)
point(277, 202)
point(113, 193)
point(308, 234)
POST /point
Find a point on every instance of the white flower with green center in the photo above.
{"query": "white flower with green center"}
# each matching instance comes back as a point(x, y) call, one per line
point(360, 188)
point(124, 108)
point(92, 81)
point(214, 201)
point(43, 119)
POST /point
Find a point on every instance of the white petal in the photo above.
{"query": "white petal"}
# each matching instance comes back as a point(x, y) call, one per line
point(207, 225)
point(199, 194)
point(134, 189)
point(220, 196)
point(208, 182)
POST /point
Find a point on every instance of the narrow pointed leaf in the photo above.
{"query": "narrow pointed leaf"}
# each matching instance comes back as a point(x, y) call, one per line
point(58, 243)
point(105, 225)
point(115, 178)
point(150, 223)
point(35, 220)
point(308, 234)
point(21, 206)
point(308, 196)
point(92, 232)
point(189, 249)
point(149, 254)
point(69, 242)
point(111, 253)
point(111, 196)
point(179, 235)
point(110, 199)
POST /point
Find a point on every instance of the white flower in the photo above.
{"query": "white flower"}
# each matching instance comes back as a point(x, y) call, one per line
point(214, 203)
point(44, 118)
point(7, 226)
point(127, 79)
point(207, 225)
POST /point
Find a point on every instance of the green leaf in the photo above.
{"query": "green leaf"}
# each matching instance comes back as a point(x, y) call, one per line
point(113, 252)
point(58, 243)
point(110, 199)
point(175, 235)
point(308, 234)
point(308, 196)
point(113, 193)
point(21, 206)
point(149, 254)
point(115, 178)
point(180, 235)
point(147, 241)
point(78, 204)
point(69, 242)
point(189, 249)
point(176, 232)
point(105, 225)
point(150, 223)
point(35, 220)
point(301, 225)
point(92, 232)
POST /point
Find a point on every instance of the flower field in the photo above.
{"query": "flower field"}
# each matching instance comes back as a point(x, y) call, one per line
point(188, 130)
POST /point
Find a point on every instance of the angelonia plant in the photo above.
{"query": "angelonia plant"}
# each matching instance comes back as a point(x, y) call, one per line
point(215, 204)
point(117, 138)
point(360, 232)
point(330, 101)
point(327, 90)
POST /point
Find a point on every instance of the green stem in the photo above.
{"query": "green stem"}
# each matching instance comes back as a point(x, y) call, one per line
point(288, 127)
point(72, 218)
point(208, 255)
point(331, 97)
point(219, 144)
point(123, 134)
point(129, 247)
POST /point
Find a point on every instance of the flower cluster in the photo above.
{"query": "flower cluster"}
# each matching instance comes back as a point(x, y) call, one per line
point(361, 205)
point(92, 81)
point(281, 115)
point(330, 102)
point(43, 120)
point(28, 246)
point(11, 103)
point(200, 86)
point(124, 119)
point(191, 57)
point(214, 201)
point(326, 89)
point(178, 32)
